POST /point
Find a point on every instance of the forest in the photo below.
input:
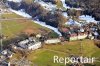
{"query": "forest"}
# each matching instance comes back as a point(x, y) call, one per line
point(91, 7)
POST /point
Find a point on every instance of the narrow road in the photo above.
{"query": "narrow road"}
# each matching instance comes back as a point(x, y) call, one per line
point(6, 19)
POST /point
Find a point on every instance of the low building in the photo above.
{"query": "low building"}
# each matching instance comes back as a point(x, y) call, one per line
point(7, 53)
point(78, 36)
point(82, 36)
point(30, 44)
point(52, 41)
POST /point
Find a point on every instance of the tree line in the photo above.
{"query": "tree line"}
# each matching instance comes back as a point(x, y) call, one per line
point(91, 7)
point(53, 18)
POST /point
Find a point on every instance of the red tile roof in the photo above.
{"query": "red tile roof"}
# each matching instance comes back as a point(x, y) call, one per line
point(65, 29)
point(73, 35)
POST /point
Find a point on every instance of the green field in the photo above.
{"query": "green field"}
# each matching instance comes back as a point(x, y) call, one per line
point(44, 56)
point(11, 28)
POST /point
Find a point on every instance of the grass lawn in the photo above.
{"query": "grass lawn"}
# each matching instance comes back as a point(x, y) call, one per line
point(59, 4)
point(11, 15)
point(12, 28)
point(44, 56)
point(74, 47)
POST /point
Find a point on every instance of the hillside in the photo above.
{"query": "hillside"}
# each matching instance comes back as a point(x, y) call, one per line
point(37, 30)
point(54, 12)
point(91, 7)
point(14, 25)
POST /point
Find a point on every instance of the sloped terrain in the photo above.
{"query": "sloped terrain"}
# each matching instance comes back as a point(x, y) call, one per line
point(91, 7)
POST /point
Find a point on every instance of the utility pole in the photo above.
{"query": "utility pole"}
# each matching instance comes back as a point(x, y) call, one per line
point(1, 39)
point(81, 48)
point(1, 32)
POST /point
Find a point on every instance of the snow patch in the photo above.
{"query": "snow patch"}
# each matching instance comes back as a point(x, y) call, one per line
point(65, 14)
point(23, 14)
point(72, 22)
point(64, 4)
point(87, 18)
point(83, 17)
point(48, 26)
point(15, 0)
point(47, 6)
point(67, 7)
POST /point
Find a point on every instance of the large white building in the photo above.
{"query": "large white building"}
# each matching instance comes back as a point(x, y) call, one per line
point(78, 37)
point(30, 44)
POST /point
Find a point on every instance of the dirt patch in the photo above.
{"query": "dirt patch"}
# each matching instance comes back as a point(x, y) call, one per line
point(30, 31)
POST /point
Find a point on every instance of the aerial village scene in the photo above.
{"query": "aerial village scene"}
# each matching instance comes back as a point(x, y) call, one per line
point(36, 32)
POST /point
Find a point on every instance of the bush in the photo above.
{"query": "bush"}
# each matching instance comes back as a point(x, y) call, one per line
point(53, 35)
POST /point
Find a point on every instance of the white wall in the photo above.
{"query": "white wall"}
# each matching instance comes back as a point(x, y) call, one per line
point(35, 46)
point(78, 37)
point(52, 41)
point(82, 36)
